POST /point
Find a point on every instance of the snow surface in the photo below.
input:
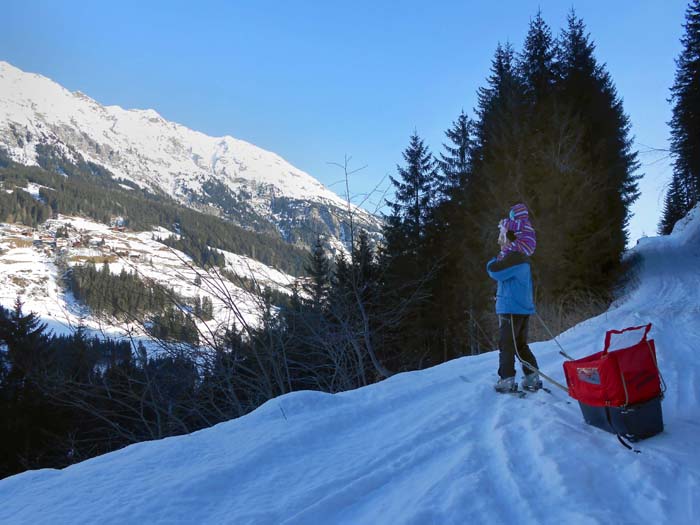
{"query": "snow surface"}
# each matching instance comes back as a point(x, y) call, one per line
point(33, 190)
point(436, 446)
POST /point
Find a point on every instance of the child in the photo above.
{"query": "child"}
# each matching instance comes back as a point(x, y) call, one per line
point(518, 222)
point(514, 300)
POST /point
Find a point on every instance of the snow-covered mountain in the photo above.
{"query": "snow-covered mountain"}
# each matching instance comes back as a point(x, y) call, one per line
point(241, 181)
point(434, 446)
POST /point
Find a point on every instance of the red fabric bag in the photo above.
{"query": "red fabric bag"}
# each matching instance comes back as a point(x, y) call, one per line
point(616, 378)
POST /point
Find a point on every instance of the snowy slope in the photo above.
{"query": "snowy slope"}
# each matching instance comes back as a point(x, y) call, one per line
point(141, 146)
point(431, 447)
point(30, 272)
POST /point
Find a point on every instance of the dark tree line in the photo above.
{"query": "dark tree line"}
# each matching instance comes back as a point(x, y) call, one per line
point(341, 320)
point(549, 131)
point(174, 325)
point(196, 248)
point(123, 296)
point(128, 297)
point(37, 431)
point(64, 399)
point(684, 190)
point(19, 206)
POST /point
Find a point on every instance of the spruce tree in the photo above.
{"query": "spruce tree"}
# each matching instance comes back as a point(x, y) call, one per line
point(407, 257)
point(685, 124)
point(675, 206)
point(502, 94)
point(319, 275)
point(501, 153)
point(448, 242)
point(415, 193)
point(536, 62)
point(24, 337)
point(588, 92)
point(363, 260)
point(455, 162)
point(461, 287)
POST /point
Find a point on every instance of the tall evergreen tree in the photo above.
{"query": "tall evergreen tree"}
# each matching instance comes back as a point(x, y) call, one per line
point(587, 90)
point(536, 62)
point(24, 337)
point(25, 412)
point(496, 156)
point(455, 162)
point(685, 123)
point(415, 192)
point(406, 256)
point(502, 93)
point(675, 206)
point(499, 154)
point(447, 241)
point(319, 275)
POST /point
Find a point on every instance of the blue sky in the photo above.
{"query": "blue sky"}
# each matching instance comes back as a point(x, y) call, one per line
point(313, 81)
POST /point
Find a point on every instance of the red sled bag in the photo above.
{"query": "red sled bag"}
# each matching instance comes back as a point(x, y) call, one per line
point(616, 378)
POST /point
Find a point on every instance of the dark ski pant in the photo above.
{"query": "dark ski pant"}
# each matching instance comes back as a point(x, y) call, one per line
point(506, 356)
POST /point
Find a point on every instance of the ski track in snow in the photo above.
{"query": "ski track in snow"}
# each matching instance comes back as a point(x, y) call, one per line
point(431, 447)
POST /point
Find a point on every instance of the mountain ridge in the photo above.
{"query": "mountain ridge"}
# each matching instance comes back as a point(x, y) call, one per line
point(139, 145)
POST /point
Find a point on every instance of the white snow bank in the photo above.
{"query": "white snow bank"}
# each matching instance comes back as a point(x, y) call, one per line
point(688, 229)
point(431, 447)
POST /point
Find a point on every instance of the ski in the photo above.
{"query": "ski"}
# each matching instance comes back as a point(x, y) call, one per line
point(516, 393)
point(543, 388)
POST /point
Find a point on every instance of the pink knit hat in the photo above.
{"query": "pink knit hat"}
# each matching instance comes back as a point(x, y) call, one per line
point(518, 212)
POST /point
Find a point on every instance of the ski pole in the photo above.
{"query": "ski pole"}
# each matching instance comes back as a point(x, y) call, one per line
point(528, 365)
point(561, 349)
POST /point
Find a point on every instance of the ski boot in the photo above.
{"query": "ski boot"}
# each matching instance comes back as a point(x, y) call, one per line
point(532, 382)
point(506, 385)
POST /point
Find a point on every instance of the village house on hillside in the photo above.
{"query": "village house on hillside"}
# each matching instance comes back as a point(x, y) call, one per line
point(117, 223)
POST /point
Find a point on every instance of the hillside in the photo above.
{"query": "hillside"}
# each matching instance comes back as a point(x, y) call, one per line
point(434, 446)
point(233, 178)
point(30, 268)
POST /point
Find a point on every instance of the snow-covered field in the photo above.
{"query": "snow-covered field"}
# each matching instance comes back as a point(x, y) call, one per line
point(431, 447)
point(28, 270)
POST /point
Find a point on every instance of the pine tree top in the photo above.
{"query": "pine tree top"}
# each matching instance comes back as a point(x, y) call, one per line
point(536, 62)
point(576, 49)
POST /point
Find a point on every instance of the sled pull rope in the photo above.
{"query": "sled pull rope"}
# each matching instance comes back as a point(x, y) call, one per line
point(658, 370)
point(622, 441)
point(528, 365)
point(561, 349)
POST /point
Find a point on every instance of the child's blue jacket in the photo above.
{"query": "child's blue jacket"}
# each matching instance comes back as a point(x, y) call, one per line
point(514, 294)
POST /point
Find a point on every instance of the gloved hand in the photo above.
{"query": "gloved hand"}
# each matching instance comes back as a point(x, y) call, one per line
point(502, 240)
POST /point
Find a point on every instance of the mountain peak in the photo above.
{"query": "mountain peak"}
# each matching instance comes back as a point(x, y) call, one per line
point(139, 145)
